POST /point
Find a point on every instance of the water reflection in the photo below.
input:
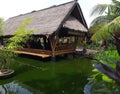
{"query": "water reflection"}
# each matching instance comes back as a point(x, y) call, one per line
point(62, 84)
point(100, 88)
point(63, 77)
point(13, 88)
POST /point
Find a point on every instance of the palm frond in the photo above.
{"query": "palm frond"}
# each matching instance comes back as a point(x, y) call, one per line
point(93, 29)
point(115, 2)
point(99, 9)
point(100, 20)
point(116, 8)
point(112, 27)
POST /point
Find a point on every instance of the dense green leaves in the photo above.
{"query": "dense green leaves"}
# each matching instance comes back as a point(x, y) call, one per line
point(110, 25)
point(109, 58)
point(105, 32)
point(21, 36)
point(111, 12)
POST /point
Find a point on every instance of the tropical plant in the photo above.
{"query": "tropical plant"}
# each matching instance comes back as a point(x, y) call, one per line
point(20, 37)
point(111, 28)
point(104, 78)
point(108, 61)
point(16, 42)
point(111, 12)
point(95, 28)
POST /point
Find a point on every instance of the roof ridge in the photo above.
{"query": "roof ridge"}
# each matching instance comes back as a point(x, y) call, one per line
point(53, 6)
point(56, 5)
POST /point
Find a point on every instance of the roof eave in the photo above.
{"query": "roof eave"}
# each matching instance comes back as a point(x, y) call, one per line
point(65, 18)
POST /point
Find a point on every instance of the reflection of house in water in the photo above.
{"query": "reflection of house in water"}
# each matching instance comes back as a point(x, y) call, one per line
point(17, 88)
point(57, 29)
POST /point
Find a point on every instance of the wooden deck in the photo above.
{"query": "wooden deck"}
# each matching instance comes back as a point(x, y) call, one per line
point(35, 52)
point(59, 50)
point(42, 53)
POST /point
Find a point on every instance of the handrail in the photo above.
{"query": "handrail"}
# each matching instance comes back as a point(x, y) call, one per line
point(65, 46)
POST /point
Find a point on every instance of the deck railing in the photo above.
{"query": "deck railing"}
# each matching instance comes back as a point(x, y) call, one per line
point(65, 46)
point(59, 50)
point(65, 49)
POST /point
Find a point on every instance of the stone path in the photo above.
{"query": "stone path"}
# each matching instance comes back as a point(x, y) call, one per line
point(87, 51)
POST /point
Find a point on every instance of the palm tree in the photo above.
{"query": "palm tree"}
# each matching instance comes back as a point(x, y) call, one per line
point(112, 27)
point(111, 12)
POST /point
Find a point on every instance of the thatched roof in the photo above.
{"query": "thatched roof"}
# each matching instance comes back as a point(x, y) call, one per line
point(74, 24)
point(47, 21)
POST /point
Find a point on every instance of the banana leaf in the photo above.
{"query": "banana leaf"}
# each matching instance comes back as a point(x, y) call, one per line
point(109, 71)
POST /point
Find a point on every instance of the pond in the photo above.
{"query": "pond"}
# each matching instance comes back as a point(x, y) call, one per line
point(33, 76)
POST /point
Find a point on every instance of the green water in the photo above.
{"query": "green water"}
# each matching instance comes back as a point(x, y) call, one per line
point(32, 76)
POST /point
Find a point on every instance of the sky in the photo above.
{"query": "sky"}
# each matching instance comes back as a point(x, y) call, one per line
point(10, 8)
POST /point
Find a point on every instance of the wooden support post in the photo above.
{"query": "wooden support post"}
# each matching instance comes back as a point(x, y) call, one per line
point(53, 58)
point(52, 43)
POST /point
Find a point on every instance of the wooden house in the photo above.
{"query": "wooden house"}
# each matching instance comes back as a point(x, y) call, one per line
point(57, 28)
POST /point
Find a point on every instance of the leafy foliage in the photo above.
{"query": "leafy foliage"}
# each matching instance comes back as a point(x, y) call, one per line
point(101, 20)
point(20, 37)
point(111, 18)
point(116, 8)
point(110, 58)
point(105, 32)
point(100, 83)
point(95, 28)
point(99, 9)
point(111, 10)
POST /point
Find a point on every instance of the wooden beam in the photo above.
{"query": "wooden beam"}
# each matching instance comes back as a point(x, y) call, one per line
point(33, 54)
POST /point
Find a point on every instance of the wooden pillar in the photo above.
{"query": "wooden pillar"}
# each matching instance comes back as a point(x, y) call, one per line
point(52, 43)
point(53, 58)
